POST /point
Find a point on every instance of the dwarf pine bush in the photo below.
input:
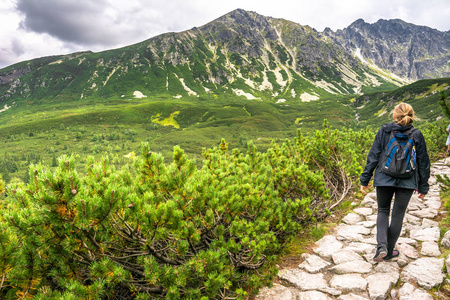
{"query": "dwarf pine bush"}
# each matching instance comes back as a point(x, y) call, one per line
point(152, 230)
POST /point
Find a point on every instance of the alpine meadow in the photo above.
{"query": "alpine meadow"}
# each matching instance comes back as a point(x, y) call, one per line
point(186, 165)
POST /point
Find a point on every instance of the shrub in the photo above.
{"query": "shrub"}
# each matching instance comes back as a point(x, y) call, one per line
point(339, 155)
point(155, 230)
point(435, 137)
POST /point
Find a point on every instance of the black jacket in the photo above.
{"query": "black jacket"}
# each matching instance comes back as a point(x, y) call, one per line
point(420, 179)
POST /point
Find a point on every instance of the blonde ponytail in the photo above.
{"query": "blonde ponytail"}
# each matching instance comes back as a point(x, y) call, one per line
point(403, 113)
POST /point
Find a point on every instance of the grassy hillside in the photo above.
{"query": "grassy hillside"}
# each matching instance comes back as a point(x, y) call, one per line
point(44, 130)
point(423, 95)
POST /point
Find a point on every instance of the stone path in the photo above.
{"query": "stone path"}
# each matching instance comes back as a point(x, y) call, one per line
point(341, 265)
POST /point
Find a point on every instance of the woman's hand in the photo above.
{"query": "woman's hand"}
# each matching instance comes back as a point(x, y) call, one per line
point(363, 189)
point(421, 196)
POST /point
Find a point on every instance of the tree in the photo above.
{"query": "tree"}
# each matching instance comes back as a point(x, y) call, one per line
point(54, 161)
point(444, 105)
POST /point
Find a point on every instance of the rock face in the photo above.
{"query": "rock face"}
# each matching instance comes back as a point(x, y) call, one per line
point(9, 76)
point(410, 51)
point(343, 268)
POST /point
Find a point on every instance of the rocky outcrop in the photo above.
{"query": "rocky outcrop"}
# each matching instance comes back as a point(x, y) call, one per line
point(9, 76)
point(407, 50)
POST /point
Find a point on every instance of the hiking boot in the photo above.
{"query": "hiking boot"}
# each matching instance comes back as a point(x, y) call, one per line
point(395, 253)
point(380, 254)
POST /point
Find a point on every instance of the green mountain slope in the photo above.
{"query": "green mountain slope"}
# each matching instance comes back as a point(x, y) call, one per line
point(423, 95)
point(241, 54)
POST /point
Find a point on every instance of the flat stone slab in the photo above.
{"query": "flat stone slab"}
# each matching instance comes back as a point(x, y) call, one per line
point(381, 283)
point(433, 204)
point(363, 211)
point(369, 199)
point(327, 245)
point(430, 249)
point(353, 233)
point(313, 263)
point(345, 255)
point(356, 266)
point(303, 280)
point(408, 250)
point(387, 267)
point(446, 240)
point(370, 240)
point(412, 219)
point(404, 240)
point(427, 223)
point(277, 292)
point(426, 234)
point(409, 227)
point(427, 271)
point(349, 283)
point(368, 224)
point(313, 295)
point(351, 296)
point(415, 205)
point(425, 213)
point(371, 218)
point(409, 292)
point(374, 231)
point(360, 248)
point(352, 219)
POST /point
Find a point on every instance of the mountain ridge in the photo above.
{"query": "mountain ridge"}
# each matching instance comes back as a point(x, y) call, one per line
point(241, 54)
point(421, 52)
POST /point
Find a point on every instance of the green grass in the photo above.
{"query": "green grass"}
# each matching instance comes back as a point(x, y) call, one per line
point(422, 95)
point(36, 130)
point(119, 126)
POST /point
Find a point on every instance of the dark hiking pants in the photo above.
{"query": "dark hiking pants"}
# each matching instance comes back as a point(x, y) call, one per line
point(387, 234)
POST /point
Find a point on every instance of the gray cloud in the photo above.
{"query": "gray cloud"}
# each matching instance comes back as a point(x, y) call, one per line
point(11, 50)
point(106, 22)
point(17, 47)
point(75, 21)
point(5, 57)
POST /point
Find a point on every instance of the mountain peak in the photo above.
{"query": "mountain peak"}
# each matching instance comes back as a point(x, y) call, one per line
point(242, 53)
point(359, 22)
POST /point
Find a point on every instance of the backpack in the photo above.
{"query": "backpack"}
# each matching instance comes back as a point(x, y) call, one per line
point(399, 157)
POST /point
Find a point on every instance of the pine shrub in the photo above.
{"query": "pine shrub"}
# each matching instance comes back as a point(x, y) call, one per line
point(153, 230)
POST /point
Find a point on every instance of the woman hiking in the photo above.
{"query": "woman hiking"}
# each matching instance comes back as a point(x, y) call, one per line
point(388, 186)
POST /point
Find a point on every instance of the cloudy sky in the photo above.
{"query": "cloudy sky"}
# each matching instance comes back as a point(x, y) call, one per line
point(36, 28)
